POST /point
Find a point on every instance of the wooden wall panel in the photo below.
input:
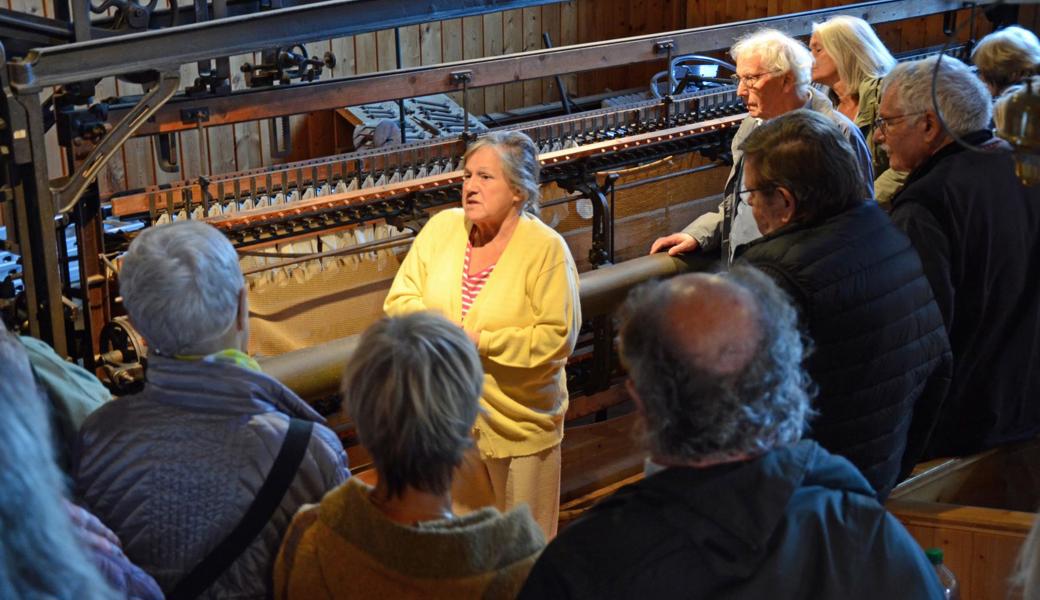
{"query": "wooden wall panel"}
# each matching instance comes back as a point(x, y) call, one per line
point(247, 145)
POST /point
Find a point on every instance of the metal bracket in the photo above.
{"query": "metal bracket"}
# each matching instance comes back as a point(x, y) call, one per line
point(284, 148)
point(584, 182)
point(72, 188)
point(464, 78)
point(166, 152)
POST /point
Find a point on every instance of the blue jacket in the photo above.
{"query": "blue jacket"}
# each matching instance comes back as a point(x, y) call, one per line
point(172, 470)
point(796, 522)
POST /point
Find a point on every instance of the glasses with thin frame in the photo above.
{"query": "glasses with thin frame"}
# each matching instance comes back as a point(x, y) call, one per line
point(882, 123)
point(749, 81)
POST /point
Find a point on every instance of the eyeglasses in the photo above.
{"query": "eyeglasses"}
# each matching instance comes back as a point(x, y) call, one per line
point(749, 81)
point(764, 189)
point(882, 123)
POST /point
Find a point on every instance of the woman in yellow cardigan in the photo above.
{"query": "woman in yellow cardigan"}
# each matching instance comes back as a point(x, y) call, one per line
point(510, 282)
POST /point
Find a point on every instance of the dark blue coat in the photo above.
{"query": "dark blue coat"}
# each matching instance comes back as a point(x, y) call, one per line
point(797, 522)
point(880, 354)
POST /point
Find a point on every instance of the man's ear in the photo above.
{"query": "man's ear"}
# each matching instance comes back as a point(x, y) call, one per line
point(933, 129)
point(788, 204)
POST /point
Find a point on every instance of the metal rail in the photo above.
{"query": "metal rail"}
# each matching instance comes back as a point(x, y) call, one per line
point(249, 105)
point(158, 49)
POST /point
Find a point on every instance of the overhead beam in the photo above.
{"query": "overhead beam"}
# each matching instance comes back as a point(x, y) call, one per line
point(249, 105)
point(172, 47)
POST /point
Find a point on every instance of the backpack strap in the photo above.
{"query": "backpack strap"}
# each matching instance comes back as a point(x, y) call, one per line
point(267, 500)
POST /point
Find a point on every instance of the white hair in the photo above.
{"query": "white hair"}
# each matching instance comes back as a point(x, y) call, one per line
point(1007, 56)
point(180, 284)
point(40, 554)
point(964, 102)
point(778, 52)
point(857, 52)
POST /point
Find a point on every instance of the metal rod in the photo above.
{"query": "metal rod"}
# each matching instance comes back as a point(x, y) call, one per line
point(248, 105)
point(390, 242)
point(44, 67)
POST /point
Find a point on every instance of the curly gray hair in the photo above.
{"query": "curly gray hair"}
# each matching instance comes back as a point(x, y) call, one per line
point(778, 52)
point(694, 411)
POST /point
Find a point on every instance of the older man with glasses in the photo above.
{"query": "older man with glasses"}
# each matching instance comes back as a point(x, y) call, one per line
point(773, 77)
point(977, 230)
point(882, 361)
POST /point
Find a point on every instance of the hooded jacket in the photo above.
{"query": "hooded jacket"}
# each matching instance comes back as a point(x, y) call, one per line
point(880, 358)
point(173, 469)
point(347, 548)
point(796, 522)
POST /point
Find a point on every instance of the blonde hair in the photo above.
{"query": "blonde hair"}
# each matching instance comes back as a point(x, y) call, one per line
point(857, 52)
point(520, 164)
point(778, 52)
point(1007, 56)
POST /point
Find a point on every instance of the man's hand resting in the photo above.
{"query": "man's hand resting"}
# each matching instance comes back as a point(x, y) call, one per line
point(677, 243)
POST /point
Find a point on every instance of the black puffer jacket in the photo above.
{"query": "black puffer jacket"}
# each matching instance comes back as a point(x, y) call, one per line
point(882, 359)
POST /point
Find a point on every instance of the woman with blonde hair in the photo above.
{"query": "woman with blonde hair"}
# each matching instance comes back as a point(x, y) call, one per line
point(510, 282)
point(850, 59)
point(1006, 57)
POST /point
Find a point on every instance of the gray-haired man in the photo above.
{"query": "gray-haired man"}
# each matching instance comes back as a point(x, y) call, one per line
point(977, 230)
point(774, 73)
point(735, 505)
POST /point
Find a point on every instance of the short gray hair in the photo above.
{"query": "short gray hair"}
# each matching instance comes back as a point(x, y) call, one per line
point(964, 102)
point(413, 392)
point(519, 163)
point(1007, 56)
point(778, 52)
point(694, 413)
point(857, 52)
point(42, 555)
point(180, 284)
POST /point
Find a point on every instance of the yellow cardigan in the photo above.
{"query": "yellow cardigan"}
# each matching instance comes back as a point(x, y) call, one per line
point(346, 548)
point(528, 315)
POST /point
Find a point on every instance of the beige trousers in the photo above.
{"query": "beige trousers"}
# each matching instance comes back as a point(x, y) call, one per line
point(533, 480)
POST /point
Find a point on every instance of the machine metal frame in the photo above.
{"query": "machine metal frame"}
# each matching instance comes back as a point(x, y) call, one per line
point(34, 202)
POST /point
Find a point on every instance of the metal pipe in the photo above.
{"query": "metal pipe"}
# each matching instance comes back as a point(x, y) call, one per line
point(315, 372)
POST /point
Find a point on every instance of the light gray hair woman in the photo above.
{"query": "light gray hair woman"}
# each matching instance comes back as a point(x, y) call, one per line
point(183, 289)
point(848, 55)
point(40, 553)
point(520, 164)
point(412, 391)
point(1006, 57)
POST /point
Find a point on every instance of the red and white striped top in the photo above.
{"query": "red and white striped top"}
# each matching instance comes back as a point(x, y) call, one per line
point(472, 284)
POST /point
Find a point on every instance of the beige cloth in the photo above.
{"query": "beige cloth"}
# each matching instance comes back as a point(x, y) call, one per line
point(504, 483)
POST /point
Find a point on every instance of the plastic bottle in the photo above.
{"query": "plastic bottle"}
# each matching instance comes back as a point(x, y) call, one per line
point(951, 591)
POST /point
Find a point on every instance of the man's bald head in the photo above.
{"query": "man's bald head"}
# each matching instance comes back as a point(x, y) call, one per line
point(716, 363)
point(712, 321)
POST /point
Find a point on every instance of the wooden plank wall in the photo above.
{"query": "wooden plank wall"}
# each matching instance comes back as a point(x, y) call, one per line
point(247, 145)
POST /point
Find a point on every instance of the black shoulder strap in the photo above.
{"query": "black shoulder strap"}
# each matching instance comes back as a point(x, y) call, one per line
point(260, 511)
